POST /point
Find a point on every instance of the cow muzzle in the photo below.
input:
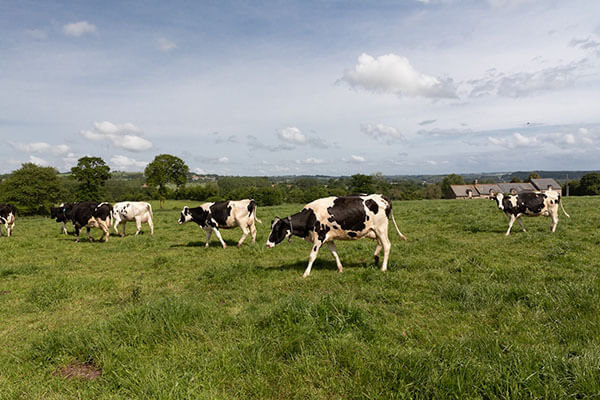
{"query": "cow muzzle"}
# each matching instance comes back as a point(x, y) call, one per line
point(270, 245)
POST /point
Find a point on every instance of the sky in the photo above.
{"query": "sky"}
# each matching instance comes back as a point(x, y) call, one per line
point(302, 87)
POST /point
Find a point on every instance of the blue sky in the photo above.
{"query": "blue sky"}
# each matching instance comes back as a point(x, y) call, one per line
point(306, 87)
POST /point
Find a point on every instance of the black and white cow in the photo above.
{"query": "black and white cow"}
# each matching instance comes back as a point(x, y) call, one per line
point(344, 218)
point(224, 215)
point(8, 214)
point(92, 214)
point(138, 211)
point(62, 214)
point(532, 204)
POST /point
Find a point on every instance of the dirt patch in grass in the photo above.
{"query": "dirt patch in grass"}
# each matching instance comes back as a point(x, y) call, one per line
point(77, 370)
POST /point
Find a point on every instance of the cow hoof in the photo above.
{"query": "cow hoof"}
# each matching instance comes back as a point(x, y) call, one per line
point(239, 246)
point(122, 235)
point(340, 270)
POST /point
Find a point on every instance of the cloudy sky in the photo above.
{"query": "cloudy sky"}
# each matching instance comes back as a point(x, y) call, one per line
point(302, 87)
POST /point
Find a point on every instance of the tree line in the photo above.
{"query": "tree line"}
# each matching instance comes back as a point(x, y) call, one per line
point(34, 189)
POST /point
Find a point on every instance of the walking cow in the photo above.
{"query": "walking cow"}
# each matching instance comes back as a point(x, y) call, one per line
point(62, 214)
point(345, 218)
point(532, 204)
point(138, 211)
point(92, 214)
point(7, 217)
point(223, 214)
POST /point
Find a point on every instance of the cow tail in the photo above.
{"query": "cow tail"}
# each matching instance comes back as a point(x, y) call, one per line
point(398, 229)
point(253, 210)
point(150, 210)
point(563, 209)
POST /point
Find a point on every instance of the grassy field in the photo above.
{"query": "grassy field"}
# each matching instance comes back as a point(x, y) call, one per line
point(463, 311)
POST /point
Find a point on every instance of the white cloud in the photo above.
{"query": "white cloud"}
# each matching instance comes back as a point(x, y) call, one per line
point(381, 132)
point(41, 147)
point(311, 161)
point(164, 44)
point(80, 28)
point(394, 74)
point(508, 3)
point(38, 161)
point(123, 163)
point(292, 135)
point(521, 84)
point(125, 136)
point(358, 159)
point(200, 171)
point(223, 160)
point(514, 141)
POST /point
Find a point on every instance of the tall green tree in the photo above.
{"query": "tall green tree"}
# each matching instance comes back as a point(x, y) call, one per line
point(589, 184)
point(165, 169)
point(360, 183)
point(452, 179)
point(32, 189)
point(91, 173)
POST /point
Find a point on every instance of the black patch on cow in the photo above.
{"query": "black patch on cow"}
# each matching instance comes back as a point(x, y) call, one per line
point(352, 234)
point(251, 207)
point(372, 205)
point(198, 214)
point(315, 248)
point(302, 224)
point(220, 211)
point(321, 230)
point(388, 207)
point(348, 212)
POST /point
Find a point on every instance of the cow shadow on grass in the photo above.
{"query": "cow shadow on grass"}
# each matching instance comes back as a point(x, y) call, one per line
point(198, 243)
point(325, 265)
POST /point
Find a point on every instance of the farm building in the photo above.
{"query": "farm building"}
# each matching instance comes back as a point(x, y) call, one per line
point(485, 190)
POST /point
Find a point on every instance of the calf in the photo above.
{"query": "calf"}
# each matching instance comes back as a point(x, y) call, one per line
point(138, 211)
point(62, 214)
point(91, 214)
point(224, 214)
point(344, 218)
point(532, 204)
point(7, 218)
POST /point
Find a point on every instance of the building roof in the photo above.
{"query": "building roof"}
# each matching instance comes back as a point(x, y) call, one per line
point(543, 183)
point(516, 186)
point(487, 188)
point(462, 190)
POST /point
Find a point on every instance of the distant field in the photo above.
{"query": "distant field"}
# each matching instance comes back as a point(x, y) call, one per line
point(462, 312)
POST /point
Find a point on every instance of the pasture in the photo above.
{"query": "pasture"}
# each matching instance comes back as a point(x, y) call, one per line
point(462, 312)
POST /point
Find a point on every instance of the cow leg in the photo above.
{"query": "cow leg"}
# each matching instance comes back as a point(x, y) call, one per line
point(387, 245)
point(521, 223)
point(105, 226)
point(12, 228)
point(116, 222)
point(8, 229)
point(333, 250)
point(510, 224)
point(63, 228)
point(245, 232)
point(208, 233)
point(253, 232)
point(377, 250)
point(311, 258)
point(220, 238)
point(138, 225)
point(554, 220)
point(124, 223)
point(88, 233)
point(77, 232)
point(151, 225)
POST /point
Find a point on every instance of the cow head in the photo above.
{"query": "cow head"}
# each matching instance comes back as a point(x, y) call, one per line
point(280, 229)
point(499, 197)
point(186, 215)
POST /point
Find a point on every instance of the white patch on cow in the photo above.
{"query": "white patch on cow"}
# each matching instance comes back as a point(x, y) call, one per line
point(513, 200)
point(500, 199)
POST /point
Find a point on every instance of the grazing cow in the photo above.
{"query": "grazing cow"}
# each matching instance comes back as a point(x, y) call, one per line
point(92, 214)
point(138, 211)
point(224, 214)
point(62, 214)
point(532, 204)
point(7, 218)
point(344, 218)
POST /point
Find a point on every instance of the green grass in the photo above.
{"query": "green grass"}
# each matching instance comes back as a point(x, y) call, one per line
point(463, 311)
